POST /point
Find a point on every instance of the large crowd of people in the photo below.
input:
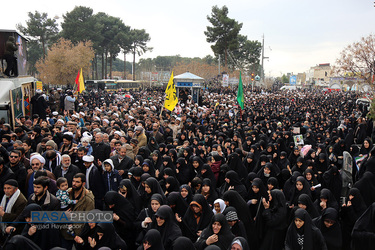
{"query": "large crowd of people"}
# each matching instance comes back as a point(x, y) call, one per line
point(292, 170)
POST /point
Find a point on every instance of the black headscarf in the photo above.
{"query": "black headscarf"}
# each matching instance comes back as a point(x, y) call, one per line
point(306, 230)
point(189, 197)
point(122, 207)
point(296, 193)
point(358, 204)
point(183, 243)
point(235, 200)
point(21, 242)
point(153, 237)
point(179, 204)
point(225, 236)
point(331, 200)
point(235, 163)
point(364, 230)
point(169, 231)
point(191, 220)
point(155, 189)
point(332, 235)
point(366, 185)
point(131, 194)
point(110, 238)
point(304, 199)
point(152, 144)
point(184, 171)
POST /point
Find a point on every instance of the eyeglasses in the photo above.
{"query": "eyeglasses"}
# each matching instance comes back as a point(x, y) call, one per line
point(13, 156)
point(35, 164)
point(158, 217)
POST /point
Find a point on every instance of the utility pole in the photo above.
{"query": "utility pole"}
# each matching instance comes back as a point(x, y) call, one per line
point(263, 57)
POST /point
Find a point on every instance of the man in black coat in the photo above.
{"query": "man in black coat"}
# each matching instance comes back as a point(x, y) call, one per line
point(39, 104)
point(17, 167)
point(67, 169)
point(5, 174)
point(101, 151)
point(94, 181)
point(122, 162)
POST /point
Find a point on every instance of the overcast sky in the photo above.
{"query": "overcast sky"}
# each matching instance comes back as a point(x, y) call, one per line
point(298, 33)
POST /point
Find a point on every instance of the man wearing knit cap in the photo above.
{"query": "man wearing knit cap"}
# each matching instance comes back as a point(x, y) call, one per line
point(12, 203)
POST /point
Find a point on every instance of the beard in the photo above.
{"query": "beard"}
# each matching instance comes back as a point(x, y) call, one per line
point(76, 188)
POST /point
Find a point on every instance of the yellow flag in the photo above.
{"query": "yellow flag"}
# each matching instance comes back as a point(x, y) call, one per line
point(170, 95)
point(81, 83)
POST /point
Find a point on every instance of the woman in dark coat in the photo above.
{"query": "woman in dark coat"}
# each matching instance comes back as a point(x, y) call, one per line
point(146, 216)
point(206, 172)
point(235, 163)
point(232, 181)
point(249, 162)
point(186, 193)
point(237, 227)
point(333, 181)
point(313, 181)
point(305, 202)
point(239, 243)
point(171, 185)
point(363, 235)
point(183, 243)
point(330, 227)
point(350, 213)
point(208, 191)
point(184, 171)
point(301, 187)
point(216, 233)
point(366, 185)
point(326, 200)
point(152, 186)
point(123, 216)
point(274, 220)
point(190, 224)
point(127, 190)
point(107, 237)
point(152, 241)
point(290, 184)
point(234, 199)
point(366, 147)
point(156, 159)
point(256, 193)
point(177, 203)
point(165, 222)
point(302, 234)
point(44, 238)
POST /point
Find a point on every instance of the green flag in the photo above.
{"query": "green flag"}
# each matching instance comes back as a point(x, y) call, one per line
point(240, 97)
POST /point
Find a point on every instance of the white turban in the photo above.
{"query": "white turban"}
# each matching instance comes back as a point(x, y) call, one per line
point(39, 157)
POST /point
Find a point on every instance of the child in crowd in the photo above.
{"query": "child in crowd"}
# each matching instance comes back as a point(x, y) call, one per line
point(111, 176)
point(63, 195)
point(85, 142)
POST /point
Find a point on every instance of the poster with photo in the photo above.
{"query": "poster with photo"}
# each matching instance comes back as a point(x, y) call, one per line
point(298, 140)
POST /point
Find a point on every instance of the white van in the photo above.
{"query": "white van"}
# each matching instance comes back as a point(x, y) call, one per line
point(288, 88)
